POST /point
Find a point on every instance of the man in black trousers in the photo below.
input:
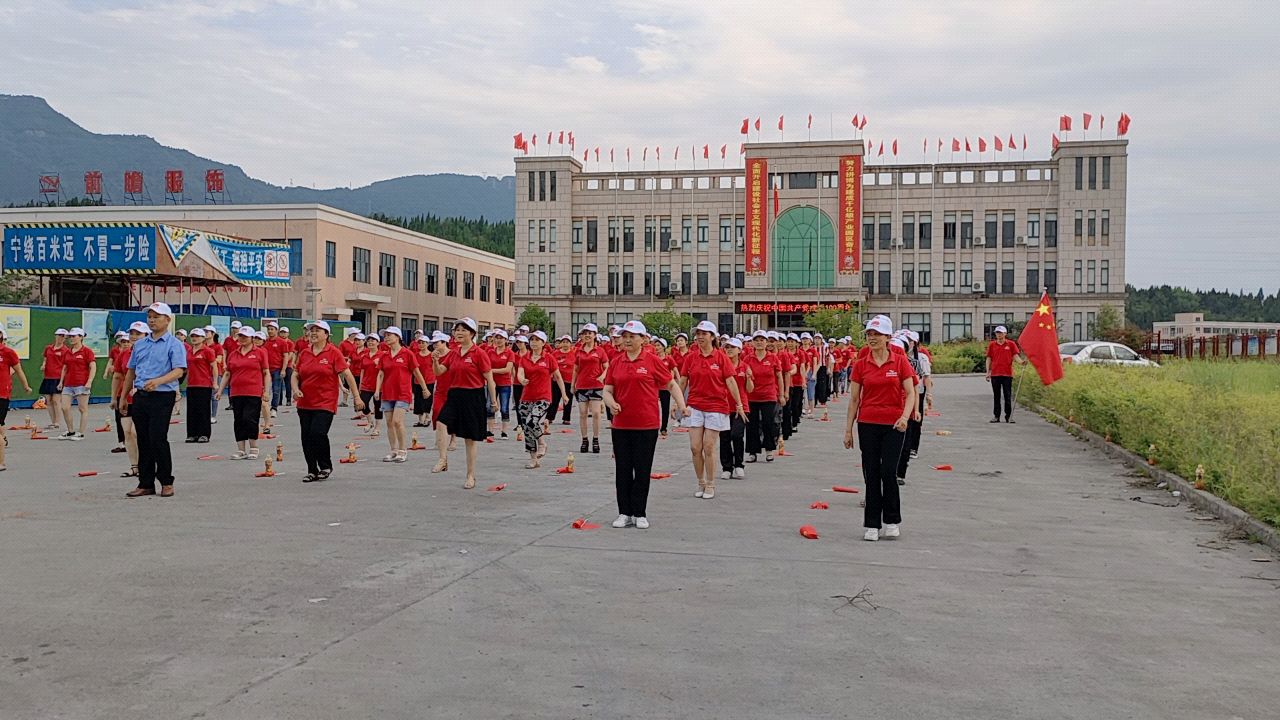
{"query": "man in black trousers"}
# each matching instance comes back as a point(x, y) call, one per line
point(157, 366)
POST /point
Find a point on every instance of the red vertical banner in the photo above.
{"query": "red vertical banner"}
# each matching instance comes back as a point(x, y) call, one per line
point(849, 261)
point(757, 221)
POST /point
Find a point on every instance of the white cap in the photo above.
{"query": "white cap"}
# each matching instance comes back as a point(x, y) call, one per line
point(160, 308)
point(180, 331)
point(538, 334)
point(210, 329)
point(662, 341)
point(734, 342)
point(1001, 328)
point(260, 335)
point(76, 331)
point(760, 334)
point(521, 339)
point(880, 324)
point(523, 330)
point(349, 331)
point(139, 326)
point(245, 331)
point(706, 326)
point(468, 323)
point(119, 334)
point(198, 332)
point(900, 342)
point(566, 336)
point(499, 332)
point(439, 336)
point(392, 330)
point(318, 324)
point(635, 327)
point(806, 336)
point(359, 336)
point(284, 330)
point(589, 327)
point(793, 336)
point(682, 335)
point(913, 335)
point(615, 331)
point(236, 324)
point(60, 331)
point(271, 323)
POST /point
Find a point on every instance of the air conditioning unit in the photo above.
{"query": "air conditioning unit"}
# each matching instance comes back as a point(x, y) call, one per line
point(895, 242)
point(978, 286)
point(589, 291)
point(1020, 241)
point(675, 245)
point(674, 286)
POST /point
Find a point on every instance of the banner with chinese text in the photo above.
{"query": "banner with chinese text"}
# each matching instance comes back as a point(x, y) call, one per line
point(80, 248)
point(848, 261)
point(757, 241)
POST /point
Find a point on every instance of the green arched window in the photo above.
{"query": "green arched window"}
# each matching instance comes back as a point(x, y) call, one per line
point(804, 249)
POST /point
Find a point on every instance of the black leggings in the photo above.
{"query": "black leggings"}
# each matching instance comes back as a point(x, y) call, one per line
point(732, 443)
point(881, 447)
point(315, 439)
point(912, 441)
point(246, 411)
point(366, 396)
point(791, 410)
point(762, 427)
point(1002, 384)
point(633, 461)
point(199, 412)
point(664, 398)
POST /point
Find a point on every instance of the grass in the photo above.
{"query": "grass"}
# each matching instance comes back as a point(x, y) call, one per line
point(959, 357)
point(1222, 415)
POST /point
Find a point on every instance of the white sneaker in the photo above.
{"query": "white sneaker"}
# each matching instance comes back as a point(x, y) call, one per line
point(622, 521)
point(739, 473)
point(273, 413)
point(708, 493)
point(871, 535)
point(642, 523)
point(891, 531)
point(698, 494)
point(213, 421)
point(725, 474)
point(76, 436)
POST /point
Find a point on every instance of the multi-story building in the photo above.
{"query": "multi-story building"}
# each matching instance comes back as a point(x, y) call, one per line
point(948, 249)
point(1193, 324)
point(342, 266)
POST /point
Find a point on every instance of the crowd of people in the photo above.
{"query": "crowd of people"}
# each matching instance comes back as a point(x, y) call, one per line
point(738, 398)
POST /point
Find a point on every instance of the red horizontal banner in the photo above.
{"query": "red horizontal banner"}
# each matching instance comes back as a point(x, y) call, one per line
point(746, 307)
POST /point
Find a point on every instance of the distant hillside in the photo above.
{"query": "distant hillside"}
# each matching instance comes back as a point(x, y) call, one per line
point(35, 139)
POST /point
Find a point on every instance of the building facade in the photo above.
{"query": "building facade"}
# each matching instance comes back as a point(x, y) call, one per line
point(342, 266)
point(947, 249)
point(1194, 325)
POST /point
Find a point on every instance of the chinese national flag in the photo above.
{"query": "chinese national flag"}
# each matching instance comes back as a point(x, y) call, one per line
point(1012, 146)
point(677, 152)
point(534, 139)
point(644, 156)
point(560, 140)
point(571, 140)
point(757, 124)
point(1122, 127)
point(855, 122)
point(982, 145)
point(780, 122)
point(967, 147)
point(742, 148)
point(776, 202)
point(628, 154)
point(810, 121)
point(895, 147)
point(1039, 340)
point(862, 124)
point(745, 123)
point(724, 149)
point(519, 140)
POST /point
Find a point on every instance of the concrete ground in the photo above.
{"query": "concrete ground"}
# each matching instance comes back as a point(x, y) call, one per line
point(1027, 584)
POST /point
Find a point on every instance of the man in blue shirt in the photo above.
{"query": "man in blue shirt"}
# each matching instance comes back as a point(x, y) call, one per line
point(158, 363)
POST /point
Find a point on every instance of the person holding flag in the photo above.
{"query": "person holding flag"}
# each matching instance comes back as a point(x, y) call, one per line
point(1039, 340)
point(1001, 353)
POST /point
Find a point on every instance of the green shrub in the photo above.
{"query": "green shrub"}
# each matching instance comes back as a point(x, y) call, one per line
point(959, 357)
point(1225, 416)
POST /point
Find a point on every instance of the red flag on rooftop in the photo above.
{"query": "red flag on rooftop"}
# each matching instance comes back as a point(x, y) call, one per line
point(757, 124)
point(1039, 340)
point(628, 155)
point(644, 156)
point(880, 152)
point(1087, 119)
point(955, 145)
point(677, 152)
point(855, 122)
point(1011, 145)
point(560, 140)
point(610, 156)
point(519, 140)
point(597, 154)
point(1102, 122)
point(745, 124)
point(895, 147)
point(548, 137)
point(742, 148)
point(810, 121)
point(534, 138)
point(724, 149)
point(657, 152)
point(939, 144)
point(924, 145)
point(706, 152)
point(982, 144)
point(780, 122)
point(571, 140)
point(862, 124)
point(1122, 127)
point(1024, 141)
point(967, 147)
point(584, 155)
point(1055, 141)
point(999, 144)
point(1064, 123)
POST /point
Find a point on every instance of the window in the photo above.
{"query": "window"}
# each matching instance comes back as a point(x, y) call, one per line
point(909, 278)
point(703, 273)
point(551, 279)
point(1124, 353)
point(410, 274)
point(386, 270)
point(385, 321)
point(330, 259)
point(1089, 322)
point(1077, 333)
point(628, 280)
point(1079, 227)
point(885, 279)
point(909, 231)
point(1051, 278)
point(664, 234)
point(533, 236)
point(430, 325)
point(613, 235)
point(949, 231)
point(949, 277)
point(664, 280)
point(575, 236)
point(740, 275)
point(1033, 277)
point(869, 281)
point(991, 320)
point(1093, 276)
point(703, 230)
point(725, 323)
point(542, 281)
point(886, 231)
point(575, 282)
point(686, 231)
point(741, 232)
point(542, 236)
point(989, 277)
point(956, 326)
point(1051, 229)
point(926, 231)
point(686, 279)
point(552, 173)
point(629, 235)
point(966, 231)
point(591, 279)
point(1106, 227)
point(614, 276)
point(966, 277)
point(726, 233)
point(1006, 278)
point(360, 260)
point(726, 278)
point(433, 271)
point(919, 322)
point(1079, 275)
point(650, 275)
point(1093, 227)
point(802, 181)
point(989, 233)
point(1105, 275)
point(868, 232)
point(542, 185)
point(295, 257)
point(451, 282)
point(532, 183)
point(1106, 173)
point(1080, 173)
point(499, 287)
point(924, 277)
point(551, 232)
point(408, 325)
point(579, 319)
point(531, 277)
point(484, 287)
point(1033, 228)
point(593, 230)
point(1007, 229)
point(1093, 173)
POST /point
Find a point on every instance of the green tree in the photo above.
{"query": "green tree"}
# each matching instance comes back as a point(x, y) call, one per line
point(1108, 322)
point(835, 322)
point(18, 289)
point(536, 318)
point(498, 238)
point(665, 323)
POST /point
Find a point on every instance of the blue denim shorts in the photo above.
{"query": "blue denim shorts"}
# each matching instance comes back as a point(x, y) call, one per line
point(389, 405)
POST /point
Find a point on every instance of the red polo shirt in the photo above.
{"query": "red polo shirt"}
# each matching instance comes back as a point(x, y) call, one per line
point(635, 387)
point(200, 367)
point(587, 366)
point(707, 374)
point(246, 372)
point(763, 376)
point(54, 359)
point(538, 374)
point(498, 359)
point(467, 371)
point(368, 364)
point(8, 360)
point(318, 378)
point(882, 395)
point(397, 375)
point(1002, 356)
point(276, 348)
point(77, 364)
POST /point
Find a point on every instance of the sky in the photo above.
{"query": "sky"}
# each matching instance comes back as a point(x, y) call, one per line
point(343, 92)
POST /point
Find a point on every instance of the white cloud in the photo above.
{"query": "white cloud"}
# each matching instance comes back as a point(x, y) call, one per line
point(586, 64)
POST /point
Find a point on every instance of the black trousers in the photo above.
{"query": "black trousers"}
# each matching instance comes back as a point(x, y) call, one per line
point(246, 411)
point(119, 428)
point(633, 462)
point(732, 443)
point(762, 427)
point(881, 447)
point(555, 402)
point(912, 440)
point(199, 412)
point(1004, 385)
point(151, 413)
point(315, 439)
point(517, 392)
point(664, 399)
point(822, 386)
point(792, 410)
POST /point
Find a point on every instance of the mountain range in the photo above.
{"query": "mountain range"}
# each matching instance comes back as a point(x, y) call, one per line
point(37, 140)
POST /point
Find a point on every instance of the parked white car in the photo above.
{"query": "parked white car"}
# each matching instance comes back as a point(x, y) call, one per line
point(1101, 353)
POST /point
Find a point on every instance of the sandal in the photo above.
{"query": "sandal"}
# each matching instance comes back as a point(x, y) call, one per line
point(390, 457)
point(253, 455)
point(132, 472)
point(532, 465)
point(470, 483)
point(240, 455)
point(441, 466)
point(401, 456)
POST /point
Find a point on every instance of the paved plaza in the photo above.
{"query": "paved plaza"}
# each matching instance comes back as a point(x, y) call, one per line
point(1026, 584)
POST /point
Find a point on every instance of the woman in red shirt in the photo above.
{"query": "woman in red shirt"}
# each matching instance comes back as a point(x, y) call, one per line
point(564, 356)
point(319, 369)
point(201, 361)
point(439, 348)
point(590, 362)
point(631, 391)
point(470, 377)
point(706, 380)
point(365, 360)
point(422, 393)
point(660, 349)
point(51, 375)
point(536, 372)
point(248, 375)
point(10, 365)
point(881, 400)
point(79, 368)
point(397, 371)
point(503, 361)
point(765, 371)
point(732, 446)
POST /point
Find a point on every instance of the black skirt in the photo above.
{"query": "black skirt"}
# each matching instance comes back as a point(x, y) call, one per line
point(421, 405)
point(464, 414)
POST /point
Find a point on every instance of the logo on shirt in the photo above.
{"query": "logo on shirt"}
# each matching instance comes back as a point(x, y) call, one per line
point(891, 373)
point(642, 371)
point(714, 366)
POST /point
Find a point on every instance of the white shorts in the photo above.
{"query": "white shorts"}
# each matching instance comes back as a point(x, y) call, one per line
point(709, 420)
